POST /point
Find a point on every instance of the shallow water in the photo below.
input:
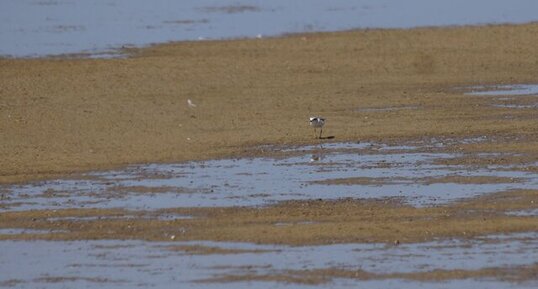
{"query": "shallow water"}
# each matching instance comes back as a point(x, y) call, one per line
point(19, 231)
point(30, 28)
point(386, 109)
point(517, 106)
point(285, 173)
point(302, 173)
point(502, 90)
point(128, 264)
point(161, 217)
point(524, 213)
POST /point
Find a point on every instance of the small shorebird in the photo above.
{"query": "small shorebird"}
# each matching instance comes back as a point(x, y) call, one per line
point(190, 103)
point(316, 122)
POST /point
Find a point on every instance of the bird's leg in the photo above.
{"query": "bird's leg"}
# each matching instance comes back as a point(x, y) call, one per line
point(315, 133)
point(320, 132)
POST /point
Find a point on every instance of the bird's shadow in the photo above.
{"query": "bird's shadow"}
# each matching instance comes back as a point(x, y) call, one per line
point(327, 137)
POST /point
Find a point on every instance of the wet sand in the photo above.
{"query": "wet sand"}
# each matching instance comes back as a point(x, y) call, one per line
point(293, 222)
point(323, 276)
point(65, 115)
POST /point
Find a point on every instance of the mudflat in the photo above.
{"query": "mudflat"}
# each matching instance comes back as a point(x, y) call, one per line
point(67, 115)
point(61, 115)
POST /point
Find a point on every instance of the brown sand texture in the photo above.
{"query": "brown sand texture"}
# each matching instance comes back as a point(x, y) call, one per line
point(62, 115)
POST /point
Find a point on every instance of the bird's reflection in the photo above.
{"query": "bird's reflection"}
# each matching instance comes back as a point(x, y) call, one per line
point(318, 154)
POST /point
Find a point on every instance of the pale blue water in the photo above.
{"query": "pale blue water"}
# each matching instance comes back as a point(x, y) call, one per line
point(402, 172)
point(525, 213)
point(257, 181)
point(31, 28)
point(137, 264)
point(505, 90)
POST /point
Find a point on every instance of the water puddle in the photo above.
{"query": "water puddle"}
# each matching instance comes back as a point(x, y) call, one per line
point(386, 109)
point(161, 217)
point(22, 231)
point(31, 28)
point(284, 224)
point(518, 106)
point(128, 264)
point(502, 90)
point(524, 213)
point(338, 170)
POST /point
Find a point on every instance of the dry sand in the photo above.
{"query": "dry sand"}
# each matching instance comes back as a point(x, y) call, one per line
point(62, 115)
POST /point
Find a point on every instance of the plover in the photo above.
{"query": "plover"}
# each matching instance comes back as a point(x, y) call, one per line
point(315, 122)
point(190, 103)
